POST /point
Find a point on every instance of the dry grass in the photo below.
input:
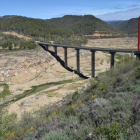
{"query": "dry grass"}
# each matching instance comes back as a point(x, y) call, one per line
point(55, 94)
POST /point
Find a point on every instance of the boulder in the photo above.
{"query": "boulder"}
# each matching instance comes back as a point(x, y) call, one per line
point(2, 72)
point(15, 74)
point(2, 79)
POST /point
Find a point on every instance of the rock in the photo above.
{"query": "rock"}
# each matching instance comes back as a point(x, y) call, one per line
point(15, 74)
point(2, 79)
point(85, 88)
point(9, 83)
point(1, 89)
point(6, 73)
point(2, 72)
point(34, 70)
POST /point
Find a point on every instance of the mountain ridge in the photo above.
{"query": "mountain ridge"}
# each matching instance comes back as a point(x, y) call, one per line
point(82, 25)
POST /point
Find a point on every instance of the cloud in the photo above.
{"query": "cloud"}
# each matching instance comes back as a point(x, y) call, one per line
point(121, 15)
point(133, 6)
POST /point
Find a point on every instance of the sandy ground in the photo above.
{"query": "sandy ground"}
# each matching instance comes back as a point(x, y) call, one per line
point(23, 69)
point(97, 34)
point(16, 34)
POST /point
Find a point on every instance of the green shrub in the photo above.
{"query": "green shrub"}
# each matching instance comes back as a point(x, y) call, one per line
point(137, 71)
point(128, 87)
point(75, 96)
point(4, 121)
point(56, 135)
point(69, 111)
point(111, 130)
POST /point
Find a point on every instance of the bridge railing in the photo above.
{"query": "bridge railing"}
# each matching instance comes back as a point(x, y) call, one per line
point(112, 52)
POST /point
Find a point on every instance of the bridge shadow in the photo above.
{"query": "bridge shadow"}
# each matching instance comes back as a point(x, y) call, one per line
point(63, 63)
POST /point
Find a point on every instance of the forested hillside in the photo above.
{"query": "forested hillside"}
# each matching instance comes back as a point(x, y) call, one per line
point(130, 26)
point(37, 29)
point(83, 25)
point(31, 27)
point(116, 24)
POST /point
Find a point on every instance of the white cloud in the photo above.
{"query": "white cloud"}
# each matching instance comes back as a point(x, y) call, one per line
point(121, 15)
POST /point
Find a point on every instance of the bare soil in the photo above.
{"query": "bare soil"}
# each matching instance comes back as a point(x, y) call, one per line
point(18, 35)
point(97, 34)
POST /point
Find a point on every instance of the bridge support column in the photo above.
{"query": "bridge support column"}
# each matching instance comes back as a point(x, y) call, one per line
point(44, 47)
point(65, 57)
point(47, 48)
point(112, 59)
point(92, 63)
point(78, 60)
point(55, 51)
point(137, 55)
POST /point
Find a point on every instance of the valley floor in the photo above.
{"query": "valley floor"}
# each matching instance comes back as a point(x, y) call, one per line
point(32, 71)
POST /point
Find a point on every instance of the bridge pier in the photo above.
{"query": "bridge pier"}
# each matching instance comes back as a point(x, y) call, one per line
point(65, 56)
point(92, 63)
point(47, 47)
point(112, 59)
point(78, 60)
point(44, 47)
point(55, 51)
point(137, 55)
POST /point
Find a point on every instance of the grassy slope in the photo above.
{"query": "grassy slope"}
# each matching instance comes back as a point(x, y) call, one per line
point(108, 110)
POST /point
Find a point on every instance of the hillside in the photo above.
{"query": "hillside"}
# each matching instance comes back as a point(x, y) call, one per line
point(116, 24)
point(83, 25)
point(31, 27)
point(12, 28)
point(130, 26)
point(112, 21)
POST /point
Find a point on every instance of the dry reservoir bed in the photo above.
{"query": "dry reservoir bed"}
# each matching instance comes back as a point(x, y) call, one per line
point(21, 70)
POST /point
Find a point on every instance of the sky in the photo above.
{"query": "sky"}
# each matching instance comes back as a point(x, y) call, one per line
point(46, 9)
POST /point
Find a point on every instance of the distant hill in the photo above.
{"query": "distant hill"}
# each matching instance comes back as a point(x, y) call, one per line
point(129, 26)
point(117, 24)
point(83, 25)
point(113, 21)
point(31, 27)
